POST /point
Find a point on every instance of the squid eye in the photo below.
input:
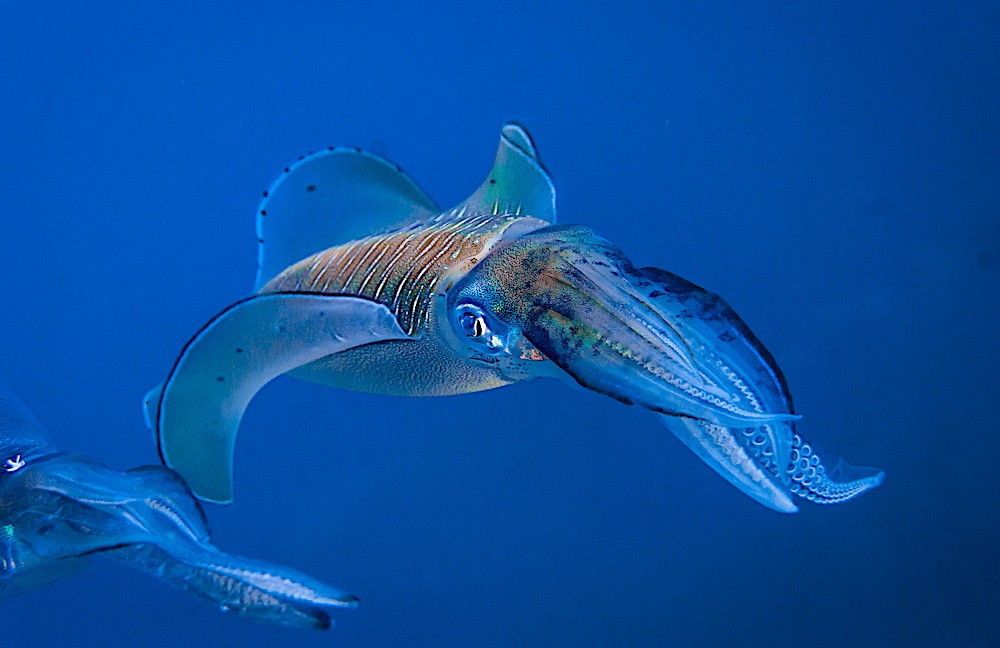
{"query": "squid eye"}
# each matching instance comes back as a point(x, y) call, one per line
point(483, 332)
point(473, 325)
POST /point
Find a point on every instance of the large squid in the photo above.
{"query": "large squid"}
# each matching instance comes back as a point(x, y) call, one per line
point(363, 283)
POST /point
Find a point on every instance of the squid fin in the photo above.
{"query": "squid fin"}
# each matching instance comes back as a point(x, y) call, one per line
point(233, 357)
point(330, 197)
point(518, 183)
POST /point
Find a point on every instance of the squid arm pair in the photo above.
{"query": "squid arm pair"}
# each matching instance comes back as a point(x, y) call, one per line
point(58, 508)
point(364, 283)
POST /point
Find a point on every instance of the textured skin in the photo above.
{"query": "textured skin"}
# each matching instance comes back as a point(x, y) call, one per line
point(486, 296)
point(410, 271)
point(59, 508)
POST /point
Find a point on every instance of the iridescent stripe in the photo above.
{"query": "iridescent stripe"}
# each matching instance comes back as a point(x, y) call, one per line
point(400, 269)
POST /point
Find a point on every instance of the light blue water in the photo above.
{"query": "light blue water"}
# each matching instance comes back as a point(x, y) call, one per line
point(832, 172)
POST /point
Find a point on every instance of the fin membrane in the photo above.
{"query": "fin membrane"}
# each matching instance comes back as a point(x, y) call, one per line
point(330, 197)
point(518, 183)
point(237, 353)
point(338, 195)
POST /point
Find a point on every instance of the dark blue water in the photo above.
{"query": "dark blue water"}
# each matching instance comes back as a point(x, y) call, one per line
point(833, 172)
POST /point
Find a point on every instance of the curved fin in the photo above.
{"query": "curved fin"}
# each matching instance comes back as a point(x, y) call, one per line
point(518, 182)
point(237, 353)
point(150, 403)
point(330, 197)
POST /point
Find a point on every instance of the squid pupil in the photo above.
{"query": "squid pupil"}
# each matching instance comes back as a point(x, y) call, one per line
point(473, 325)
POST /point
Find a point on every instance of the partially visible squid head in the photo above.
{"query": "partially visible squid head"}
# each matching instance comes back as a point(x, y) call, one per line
point(478, 333)
point(564, 294)
point(562, 301)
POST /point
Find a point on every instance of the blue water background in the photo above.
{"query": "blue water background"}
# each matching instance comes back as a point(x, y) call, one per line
point(830, 168)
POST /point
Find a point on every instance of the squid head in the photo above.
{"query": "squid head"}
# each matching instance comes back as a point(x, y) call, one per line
point(563, 296)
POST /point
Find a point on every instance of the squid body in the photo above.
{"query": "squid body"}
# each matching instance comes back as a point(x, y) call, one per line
point(58, 508)
point(364, 283)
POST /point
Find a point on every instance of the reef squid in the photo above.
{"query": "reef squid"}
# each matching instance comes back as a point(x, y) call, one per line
point(58, 508)
point(364, 283)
